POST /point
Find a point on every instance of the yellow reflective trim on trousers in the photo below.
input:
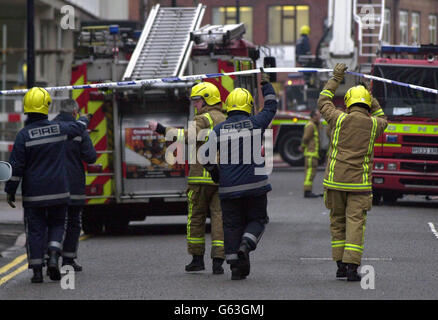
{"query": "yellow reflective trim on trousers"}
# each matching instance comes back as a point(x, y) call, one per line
point(338, 245)
point(307, 181)
point(189, 217)
point(353, 249)
point(334, 145)
point(338, 241)
point(346, 186)
point(370, 150)
point(196, 240)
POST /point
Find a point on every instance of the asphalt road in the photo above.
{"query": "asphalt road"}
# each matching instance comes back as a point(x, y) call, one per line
point(293, 260)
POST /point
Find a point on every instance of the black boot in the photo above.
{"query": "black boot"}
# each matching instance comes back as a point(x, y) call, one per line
point(37, 274)
point(197, 264)
point(342, 269)
point(53, 266)
point(236, 271)
point(310, 194)
point(217, 266)
point(352, 274)
point(243, 255)
point(71, 262)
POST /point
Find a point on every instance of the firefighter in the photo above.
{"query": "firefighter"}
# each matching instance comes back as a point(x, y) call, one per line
point(242, 188)
point(77, 150)
point(38, 162)
point(348, 176)
point(303, 43)
point(202, 191)
point(310, 146)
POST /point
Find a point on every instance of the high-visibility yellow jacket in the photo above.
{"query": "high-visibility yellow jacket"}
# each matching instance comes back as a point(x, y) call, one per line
point(311, 140)
point(351, 152)
point(207, 118)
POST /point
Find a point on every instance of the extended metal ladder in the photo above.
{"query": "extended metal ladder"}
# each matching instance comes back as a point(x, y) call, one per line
point(164, 46)
point(370, 18)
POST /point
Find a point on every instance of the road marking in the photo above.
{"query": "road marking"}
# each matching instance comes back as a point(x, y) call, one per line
point(12, 264)
point(24, 267)
point(13, 274)
point(330, 259)
point(432, 228)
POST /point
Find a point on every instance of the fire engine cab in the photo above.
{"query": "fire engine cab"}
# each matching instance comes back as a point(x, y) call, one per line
point(406, 155)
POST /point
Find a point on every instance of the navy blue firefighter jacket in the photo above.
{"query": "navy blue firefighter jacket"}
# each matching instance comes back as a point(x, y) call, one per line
point(238, 180)
point(77, 150)
point(38, 161)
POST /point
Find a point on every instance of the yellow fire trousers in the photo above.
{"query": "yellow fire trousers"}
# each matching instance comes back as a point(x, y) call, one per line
point(348, 212)
point(201, 199)
point(310, 166)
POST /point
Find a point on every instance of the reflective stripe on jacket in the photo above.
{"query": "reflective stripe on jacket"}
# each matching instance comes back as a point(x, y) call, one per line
point(77, 150)
point(207, 118)
point(351, 152)
point(38, 161)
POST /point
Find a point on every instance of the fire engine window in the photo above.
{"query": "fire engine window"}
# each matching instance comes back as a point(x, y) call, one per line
point(227, 15)
point(400, 100)
point(285, 23)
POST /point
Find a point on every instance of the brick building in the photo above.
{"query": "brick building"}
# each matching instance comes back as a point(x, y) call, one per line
point(411, 22)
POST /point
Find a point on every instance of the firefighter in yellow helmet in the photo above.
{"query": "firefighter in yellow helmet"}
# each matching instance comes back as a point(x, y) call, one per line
point(243, 180)
point(348, 176)
point(38, 162)
point(310, 147)
point(303, 44)
point(202, 191)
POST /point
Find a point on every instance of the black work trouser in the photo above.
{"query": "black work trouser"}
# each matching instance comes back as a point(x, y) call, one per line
point(244, 219)
point(45, 229)
point(72, 233)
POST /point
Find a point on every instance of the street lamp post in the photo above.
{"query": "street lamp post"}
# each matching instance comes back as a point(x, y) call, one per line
point(30, 44)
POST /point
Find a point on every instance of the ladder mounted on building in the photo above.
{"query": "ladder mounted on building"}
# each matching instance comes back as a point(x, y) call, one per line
point(370, 18)
point(164, 47)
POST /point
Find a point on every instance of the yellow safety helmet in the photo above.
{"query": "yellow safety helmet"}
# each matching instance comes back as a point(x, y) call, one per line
point(208, 91)
point(305, 30)
point(37, 100)
point(239, 100)
point(357, 94)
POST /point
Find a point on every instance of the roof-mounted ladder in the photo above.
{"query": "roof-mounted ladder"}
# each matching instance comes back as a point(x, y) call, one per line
point(164, 46)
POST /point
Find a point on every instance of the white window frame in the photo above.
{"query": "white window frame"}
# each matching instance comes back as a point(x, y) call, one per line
point(386, 37)
point(415, 28)
point(403, 24)
point(433, 21)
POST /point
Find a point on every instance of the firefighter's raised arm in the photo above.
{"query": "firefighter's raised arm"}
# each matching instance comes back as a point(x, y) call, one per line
point(325, 104)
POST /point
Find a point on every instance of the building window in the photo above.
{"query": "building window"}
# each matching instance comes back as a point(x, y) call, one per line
point(403, 20)
point(227, 15)
point(386, 36)
point(432, 29)
point(415, 28)
point(285, 23)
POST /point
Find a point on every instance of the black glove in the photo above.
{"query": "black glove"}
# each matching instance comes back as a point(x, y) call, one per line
point(160, 129)
point(265, 78)
point(11, 199)
point(213, 169)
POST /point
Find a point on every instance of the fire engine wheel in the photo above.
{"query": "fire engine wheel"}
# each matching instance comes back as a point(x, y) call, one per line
point(116, 225)
point(377, 197)
point(288, 146)
point(92, 224)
